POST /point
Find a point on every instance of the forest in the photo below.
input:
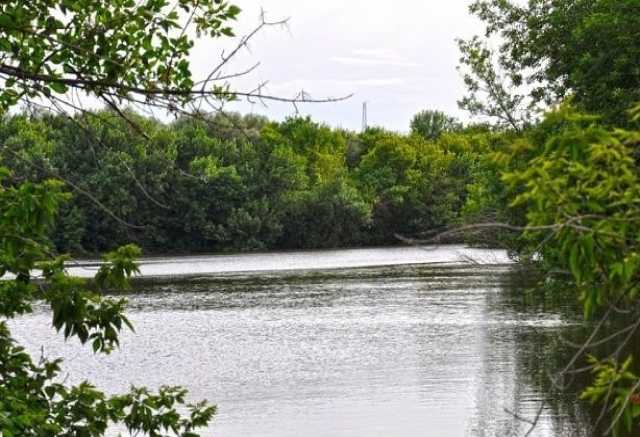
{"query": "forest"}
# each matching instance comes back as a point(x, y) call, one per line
point(550, 171)
point(236, 183)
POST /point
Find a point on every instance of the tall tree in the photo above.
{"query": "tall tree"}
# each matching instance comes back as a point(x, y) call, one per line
point(549, 50)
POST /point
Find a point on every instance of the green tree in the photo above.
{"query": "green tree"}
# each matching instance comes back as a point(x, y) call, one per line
point(579, 191)
point(492, 93)
point(432, 124)
point(333, 214)
point(113, 50)
point(408, 180)
point(323, 147)
point(200, 185)
point(552, 49)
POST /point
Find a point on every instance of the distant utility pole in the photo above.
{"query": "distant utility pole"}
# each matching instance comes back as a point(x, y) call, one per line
point(364, 116)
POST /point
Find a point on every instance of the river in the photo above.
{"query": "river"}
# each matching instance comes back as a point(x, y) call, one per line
point(366, 342)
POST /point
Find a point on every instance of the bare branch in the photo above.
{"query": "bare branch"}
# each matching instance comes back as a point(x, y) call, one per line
point(120, 90)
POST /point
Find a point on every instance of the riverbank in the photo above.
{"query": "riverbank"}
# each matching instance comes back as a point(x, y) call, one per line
point(212, 266)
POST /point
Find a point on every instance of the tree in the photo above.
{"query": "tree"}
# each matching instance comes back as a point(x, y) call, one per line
point(122, 52)
point(553, 49)
point(408, 181)
point(568, 182)
point(331, 214)
point(115, 50)
point(580, 190)
point(432, 124)
point(492, 92)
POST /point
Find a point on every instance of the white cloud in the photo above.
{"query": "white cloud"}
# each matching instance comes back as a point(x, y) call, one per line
point(374, 82)
point(363, 61)
point(375, 57)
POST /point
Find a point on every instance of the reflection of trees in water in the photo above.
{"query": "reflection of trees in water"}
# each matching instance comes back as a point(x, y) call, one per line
point(540, 353)
point(558, 354)
point(500, 386)
point(538, 363)
point(519, 350)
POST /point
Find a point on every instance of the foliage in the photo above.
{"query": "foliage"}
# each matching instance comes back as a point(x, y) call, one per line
point(583, 187)
point(328, 215)
point(108, 49)
point(552, 49)
point(201, 185)
point(577, 185)
point(432, 124)
point(566, 186)
point(615, 385)
point(32, 402)
point(117, 51)
point(491, 92)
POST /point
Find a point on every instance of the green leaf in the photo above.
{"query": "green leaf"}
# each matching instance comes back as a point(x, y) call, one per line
point(58, 87)
point(6, 21)
point(574, 265)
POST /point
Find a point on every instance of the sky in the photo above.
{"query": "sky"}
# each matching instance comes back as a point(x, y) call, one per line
point(399, 56)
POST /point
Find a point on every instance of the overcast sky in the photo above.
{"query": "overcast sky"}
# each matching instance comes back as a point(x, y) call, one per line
point(399, 57)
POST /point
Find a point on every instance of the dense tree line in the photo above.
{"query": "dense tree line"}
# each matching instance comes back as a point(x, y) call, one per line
point(231, 182)
point(554, 176)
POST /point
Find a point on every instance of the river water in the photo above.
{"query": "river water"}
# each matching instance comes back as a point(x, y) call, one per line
point(392, 342)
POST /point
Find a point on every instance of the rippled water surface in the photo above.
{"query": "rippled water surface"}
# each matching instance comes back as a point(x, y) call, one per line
point(397, 350)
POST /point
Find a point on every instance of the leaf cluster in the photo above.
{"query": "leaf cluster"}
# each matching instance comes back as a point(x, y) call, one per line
point(109, 49)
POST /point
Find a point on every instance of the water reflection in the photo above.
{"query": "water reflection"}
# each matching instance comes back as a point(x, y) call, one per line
point(402, 350)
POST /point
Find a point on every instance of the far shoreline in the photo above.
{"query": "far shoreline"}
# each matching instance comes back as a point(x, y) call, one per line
point(196, 266)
